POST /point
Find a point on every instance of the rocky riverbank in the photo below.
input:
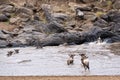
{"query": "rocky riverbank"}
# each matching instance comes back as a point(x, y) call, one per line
point(51, 23)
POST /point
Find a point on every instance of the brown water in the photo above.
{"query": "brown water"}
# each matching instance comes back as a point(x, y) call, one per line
point(51, 61)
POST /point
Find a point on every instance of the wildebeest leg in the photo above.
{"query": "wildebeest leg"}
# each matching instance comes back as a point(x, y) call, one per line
point(88, 67)
point(84, 66)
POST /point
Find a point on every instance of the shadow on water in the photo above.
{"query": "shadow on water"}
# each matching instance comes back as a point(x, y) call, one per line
point(51, 61)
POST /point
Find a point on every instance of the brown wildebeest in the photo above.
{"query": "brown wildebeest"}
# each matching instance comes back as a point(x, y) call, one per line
point(71, 59)
point(85, 61)
point(16, 51)
point(10, 53)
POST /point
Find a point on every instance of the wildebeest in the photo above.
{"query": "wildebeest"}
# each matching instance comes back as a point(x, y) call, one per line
point(10, 53)
point(85, 61)
point(71, 59)
point(16, 51)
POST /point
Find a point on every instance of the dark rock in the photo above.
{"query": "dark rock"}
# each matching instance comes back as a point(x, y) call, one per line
point(92, 34)
point(27, 38)
point(110, 21)
point(61, 38)
point(55, 27)
point(105, 17)
point(114, 16)
point(49, 28)
point(60, 16)
point(72, 37)
point(3, 36)
point(3, 18)
point(8, 15)
point(52, 40)
point(101, 23)
point(106, 34)
point(85, 8)
point(115, 28)
point(5, 32)
point(115, 39)
point(3, 44)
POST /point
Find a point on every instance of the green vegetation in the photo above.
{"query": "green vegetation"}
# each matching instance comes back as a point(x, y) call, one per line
point(100, 13)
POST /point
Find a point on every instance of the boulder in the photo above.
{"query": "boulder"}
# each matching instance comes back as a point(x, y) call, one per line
point(114, 27)
point(3, 18)
point(27, 38)
point(92, 34)
point(114, 16)
point(114, 39)
point(52, 40)
point(7, 14)
point(107, 34)
point(3, 36)
point(60, 38)
point(84, 8)
point(60, 16)
point(49, 28)
point(3, 44)
point(73, 37)
point(101, 23)
point(55, 27)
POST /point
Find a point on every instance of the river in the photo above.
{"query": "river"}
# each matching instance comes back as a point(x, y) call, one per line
point(104, 59)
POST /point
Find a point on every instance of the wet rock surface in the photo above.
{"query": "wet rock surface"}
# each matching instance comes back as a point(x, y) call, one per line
point(3, 18)
point(45, 26)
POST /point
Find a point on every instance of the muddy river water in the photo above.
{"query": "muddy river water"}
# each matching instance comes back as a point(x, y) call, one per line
point(51, 61)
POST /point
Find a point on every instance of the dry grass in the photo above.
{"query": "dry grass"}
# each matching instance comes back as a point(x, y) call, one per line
point(6, 26)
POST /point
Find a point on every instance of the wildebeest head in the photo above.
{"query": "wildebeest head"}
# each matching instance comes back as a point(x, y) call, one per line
point(72, 55)
point(16, 50)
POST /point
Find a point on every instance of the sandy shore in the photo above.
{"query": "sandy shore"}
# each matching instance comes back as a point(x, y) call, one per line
point(61, 78)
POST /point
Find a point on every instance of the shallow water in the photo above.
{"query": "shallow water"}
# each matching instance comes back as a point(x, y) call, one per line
point(51, 61)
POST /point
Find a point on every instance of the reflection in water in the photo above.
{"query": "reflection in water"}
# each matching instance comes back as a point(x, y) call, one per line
point(53, 60)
